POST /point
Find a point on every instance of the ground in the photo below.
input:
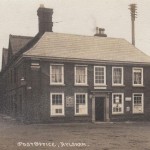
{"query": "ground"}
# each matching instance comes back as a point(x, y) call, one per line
point(86, 136)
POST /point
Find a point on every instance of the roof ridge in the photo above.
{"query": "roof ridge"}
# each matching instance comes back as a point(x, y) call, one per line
point(20, 36)
point(5, 48)
point(91, 36)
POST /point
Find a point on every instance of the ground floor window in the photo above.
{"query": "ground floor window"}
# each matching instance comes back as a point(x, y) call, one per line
point(138, 103)
point(81, 106)
point(57, 104)
point(117, 103)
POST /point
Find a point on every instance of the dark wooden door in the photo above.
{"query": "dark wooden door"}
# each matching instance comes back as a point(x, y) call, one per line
point(99, 109)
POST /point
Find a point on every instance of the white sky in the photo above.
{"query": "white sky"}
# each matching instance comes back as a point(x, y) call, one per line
point(19, 17)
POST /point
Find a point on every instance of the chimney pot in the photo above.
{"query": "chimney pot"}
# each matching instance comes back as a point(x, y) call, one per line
point(100, 32)
point(42, 6)
point(97, 30)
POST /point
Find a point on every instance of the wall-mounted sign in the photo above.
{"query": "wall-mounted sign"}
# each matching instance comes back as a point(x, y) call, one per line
point(128, 109)
point(29, 87)
point(128, 99)
point(69, 101)
point(35, 66)
point(100, 87)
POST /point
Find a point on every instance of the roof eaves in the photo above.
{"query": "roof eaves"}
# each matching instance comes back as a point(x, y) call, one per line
point(85, 60)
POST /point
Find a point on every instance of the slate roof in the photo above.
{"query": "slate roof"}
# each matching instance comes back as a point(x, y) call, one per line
point(5, 57)
point(77, 47)
point(17, 42)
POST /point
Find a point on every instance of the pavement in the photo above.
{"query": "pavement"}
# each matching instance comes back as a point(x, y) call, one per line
point(15, 135)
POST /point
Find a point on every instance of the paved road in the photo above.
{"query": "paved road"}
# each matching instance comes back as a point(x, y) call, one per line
point(84, 136)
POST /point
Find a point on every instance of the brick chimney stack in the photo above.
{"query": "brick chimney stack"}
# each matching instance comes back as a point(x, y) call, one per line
point(45, 19)
point(100, 32)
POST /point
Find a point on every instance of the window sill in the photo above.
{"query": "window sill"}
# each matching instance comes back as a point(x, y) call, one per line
point(119, 85)
point(103, 85)
point(142, 113)
point(81, 85)
point(118, 114)
point(52, 84)
point(81, 115)
point(138, 85)
point(57, 116)
point(100, 86)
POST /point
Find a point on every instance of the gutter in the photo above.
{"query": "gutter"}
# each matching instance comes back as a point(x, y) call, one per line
point(91, 61)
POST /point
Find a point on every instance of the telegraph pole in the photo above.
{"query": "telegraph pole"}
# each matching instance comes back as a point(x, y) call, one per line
point(133, 10)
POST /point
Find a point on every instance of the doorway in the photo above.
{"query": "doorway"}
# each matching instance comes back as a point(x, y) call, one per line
point(99, 108)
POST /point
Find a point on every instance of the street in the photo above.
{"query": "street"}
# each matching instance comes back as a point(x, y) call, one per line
point(101, 136)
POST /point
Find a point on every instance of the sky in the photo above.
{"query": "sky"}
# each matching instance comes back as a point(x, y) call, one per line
point(19, 17)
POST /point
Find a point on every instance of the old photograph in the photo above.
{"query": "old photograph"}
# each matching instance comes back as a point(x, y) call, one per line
point(75, 74)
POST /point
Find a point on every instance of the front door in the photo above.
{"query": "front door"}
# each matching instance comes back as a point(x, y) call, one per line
point(99, 108)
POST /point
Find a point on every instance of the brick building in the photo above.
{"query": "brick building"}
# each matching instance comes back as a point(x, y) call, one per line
point(56, 77)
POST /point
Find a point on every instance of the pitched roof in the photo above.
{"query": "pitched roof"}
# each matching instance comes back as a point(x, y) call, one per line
point(5, 57)
point(67, 46)
point(17, 42)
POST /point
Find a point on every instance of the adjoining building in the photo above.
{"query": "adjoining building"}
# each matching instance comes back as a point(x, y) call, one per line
point(57, 77)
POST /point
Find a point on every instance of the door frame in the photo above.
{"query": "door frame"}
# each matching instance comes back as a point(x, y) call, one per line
point(104, 109)
point(106, 106)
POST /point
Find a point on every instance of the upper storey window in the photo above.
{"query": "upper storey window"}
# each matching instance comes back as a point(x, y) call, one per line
point(137, 76)
point(117, 76)
point(56, 74)
point(99, 75)
point(80, 75)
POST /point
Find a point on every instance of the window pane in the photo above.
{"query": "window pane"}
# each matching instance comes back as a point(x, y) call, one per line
point(58, 111)
point(137, 76)
point(117, 99)
point(81, 107)
point(117, 75)
point(99, 75)
point(56, 99)
point(57, 104)
point(137, 100)
point(56, 74)
point(81, 74)
point(138, 103)
point(117, 103)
